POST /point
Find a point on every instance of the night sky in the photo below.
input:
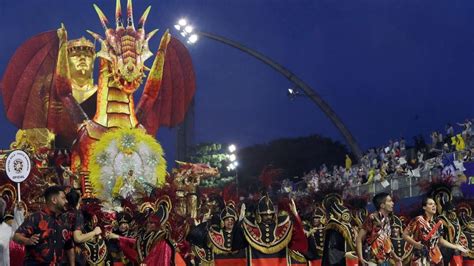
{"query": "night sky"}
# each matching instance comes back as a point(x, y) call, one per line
point(389, 68)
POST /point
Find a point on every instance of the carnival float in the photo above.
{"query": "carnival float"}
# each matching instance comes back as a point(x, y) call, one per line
point(91, 135)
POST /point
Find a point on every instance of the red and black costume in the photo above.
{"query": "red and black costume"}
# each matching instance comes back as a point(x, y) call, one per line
point(198, 236)
point(428, 232)
point(212, 243)
point(55, 237)
point(113, 246)
point(378, 244)
point(442, 195)
point(452, 234)
point(151, 247)
point(220, 241)
point(95, 250)
point(271, 243)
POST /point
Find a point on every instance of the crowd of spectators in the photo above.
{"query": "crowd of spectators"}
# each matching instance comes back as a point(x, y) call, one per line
point(396, 159)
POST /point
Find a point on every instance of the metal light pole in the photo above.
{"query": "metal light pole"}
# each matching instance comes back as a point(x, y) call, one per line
point(233, 165)
point(188, 30)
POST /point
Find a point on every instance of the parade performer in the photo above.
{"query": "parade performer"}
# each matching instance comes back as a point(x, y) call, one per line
point(269, 237)
point(122, 228)
point(400, 246)
point(339, 240)
point(76, 219)
point(424, 233)
point(220, 237)
point(376, 232)
point(151, 246)
point(47, 234)
point(187, 178)
point(452, 234)
point(88, 233)
point(314, 231)
point(216, 239)
point(441, 193)
point(201, 248)
point(467, 226)
point(440, 190)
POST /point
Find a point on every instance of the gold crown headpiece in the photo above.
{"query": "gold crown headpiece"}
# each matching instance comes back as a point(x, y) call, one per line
point(81, 44)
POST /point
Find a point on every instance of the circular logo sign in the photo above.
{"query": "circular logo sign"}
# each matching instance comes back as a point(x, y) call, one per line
point(18, 166)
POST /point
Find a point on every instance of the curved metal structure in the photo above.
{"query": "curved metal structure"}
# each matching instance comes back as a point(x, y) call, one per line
point(312, 94)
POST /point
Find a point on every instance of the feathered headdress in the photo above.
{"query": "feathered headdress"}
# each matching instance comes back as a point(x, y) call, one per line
point(162, 211)
point(464, 209)
point(440, 189)
point(331, 193)
point(357, 205)
point(93, 214)
point(229, 193)
point(283, 205)
point(355, 202)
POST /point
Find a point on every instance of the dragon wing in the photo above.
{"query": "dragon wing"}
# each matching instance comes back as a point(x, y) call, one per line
point(167, 96)
point(28, 87)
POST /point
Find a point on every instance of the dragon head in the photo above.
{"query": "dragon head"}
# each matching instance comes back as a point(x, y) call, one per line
point(124, 48)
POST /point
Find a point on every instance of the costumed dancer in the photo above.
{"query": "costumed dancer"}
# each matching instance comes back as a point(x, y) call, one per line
point(220, 237)
point(151, 245)
point(123, 223)
point(339, 241)
point(87, 233)
point(400, 246)
point(217, 239)
point(441, 193)
point(467, 226)
point(375, 233)
point(424, 232)
point(198, 236)
point(271, 238)
point(76, 219)
point(314, 231)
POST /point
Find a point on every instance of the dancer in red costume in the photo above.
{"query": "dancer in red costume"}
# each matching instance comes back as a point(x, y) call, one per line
point(424, 233)
point(376, 232)
point(151, 246)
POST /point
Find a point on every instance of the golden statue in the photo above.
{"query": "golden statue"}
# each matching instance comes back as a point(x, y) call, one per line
point(81, 56)
point(187, 178)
